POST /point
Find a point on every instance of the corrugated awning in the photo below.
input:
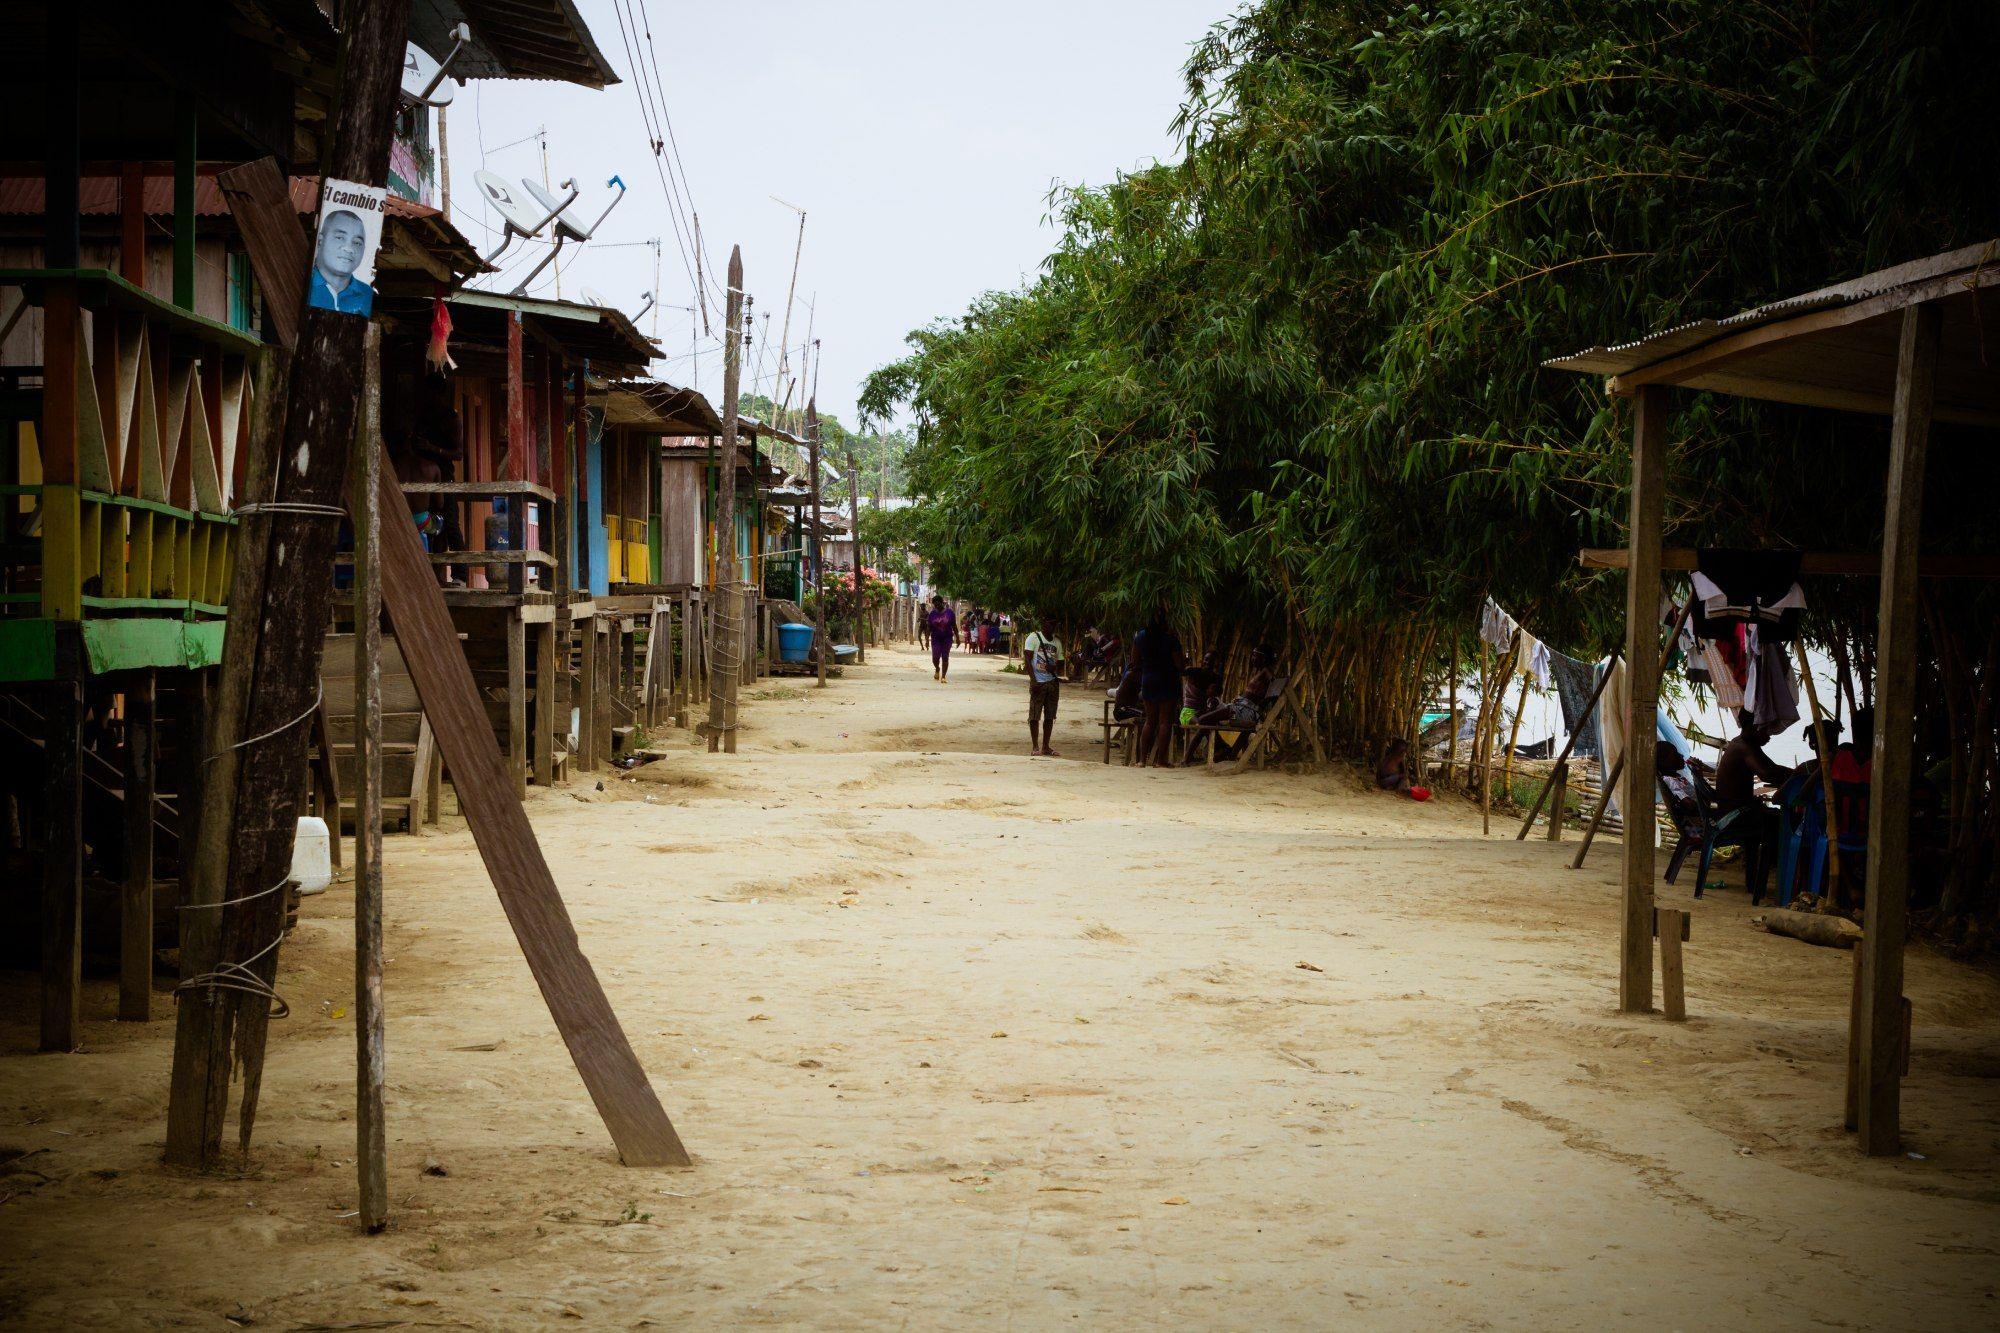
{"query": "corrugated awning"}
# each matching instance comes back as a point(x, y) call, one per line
point(1834, 347)
point(514, 39)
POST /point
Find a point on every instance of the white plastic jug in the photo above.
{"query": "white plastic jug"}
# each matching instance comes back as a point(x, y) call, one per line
point(312, 856)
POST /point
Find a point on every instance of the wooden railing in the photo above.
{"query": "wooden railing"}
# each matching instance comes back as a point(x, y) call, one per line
point(140, 425)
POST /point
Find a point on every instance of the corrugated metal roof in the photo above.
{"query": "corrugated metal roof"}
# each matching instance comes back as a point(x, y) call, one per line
point(514, 39)
point(1623, 358)
point(100, 196)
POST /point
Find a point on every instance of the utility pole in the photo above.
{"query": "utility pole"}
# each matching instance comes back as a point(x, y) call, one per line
point(860, 604)
point(282, 597)
point(812, 540)
point(444, 170)
point(725, 611)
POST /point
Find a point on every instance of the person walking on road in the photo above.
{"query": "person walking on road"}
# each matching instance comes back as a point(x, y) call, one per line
point(943, 626)
point(1043, 654)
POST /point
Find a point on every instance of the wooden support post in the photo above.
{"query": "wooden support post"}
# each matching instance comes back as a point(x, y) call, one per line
point(684, 698)
point(546, 717)
point(371, 1162)
point(521, 877)
point(1851, 1118)
point(272, 651)
point(1557, 792)
point(1886, 919)
point(184, 201)
point(588, 686)
point(607, 685)
point(1671, 924)
point(132, 224)
point(1597, 815)
point(1642, 681)
point(517, 699)
point(135, 904)
point(62, 850)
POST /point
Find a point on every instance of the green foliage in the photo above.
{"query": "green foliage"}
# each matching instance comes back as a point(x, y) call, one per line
point(1298, 369)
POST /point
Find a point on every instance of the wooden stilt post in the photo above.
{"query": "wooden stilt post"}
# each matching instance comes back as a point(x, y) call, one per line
point(1671, 924)
point(1887, 910)
point(135, 915)
point(62, 851)
point(1642, 680)
point(547, 717)
point(589, 686)
point(370, 1139)
point(1557, 792)
point(517, 697)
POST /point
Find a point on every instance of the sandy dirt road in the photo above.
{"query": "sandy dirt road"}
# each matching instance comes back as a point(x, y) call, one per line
point(963, 1038)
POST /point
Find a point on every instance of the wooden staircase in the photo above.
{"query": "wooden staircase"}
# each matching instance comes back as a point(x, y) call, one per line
point(410, 761)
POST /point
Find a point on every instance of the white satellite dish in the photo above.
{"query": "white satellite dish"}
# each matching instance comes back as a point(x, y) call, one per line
point(591, 296)
point(508, 203)
point(565, 229)
point(424, 78)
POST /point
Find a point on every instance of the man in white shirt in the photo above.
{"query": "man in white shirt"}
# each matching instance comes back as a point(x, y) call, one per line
point(1043, 656)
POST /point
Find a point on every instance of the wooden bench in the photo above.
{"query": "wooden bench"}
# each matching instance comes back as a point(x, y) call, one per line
point(1278, 703)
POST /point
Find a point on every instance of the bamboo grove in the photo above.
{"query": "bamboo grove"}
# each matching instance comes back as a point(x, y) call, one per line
point(1287, 385)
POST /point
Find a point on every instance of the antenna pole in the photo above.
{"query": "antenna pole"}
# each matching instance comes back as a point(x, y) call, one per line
point(542, 133)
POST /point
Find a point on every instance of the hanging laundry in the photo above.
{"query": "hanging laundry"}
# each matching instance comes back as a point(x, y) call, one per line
point(1496, 627)
point(1771, 697)
point(1573, 681)
point(1747, 586)
point(1725, 669)
point(1535, 663)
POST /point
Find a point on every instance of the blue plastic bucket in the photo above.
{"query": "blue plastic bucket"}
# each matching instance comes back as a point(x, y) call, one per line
point(794, 642)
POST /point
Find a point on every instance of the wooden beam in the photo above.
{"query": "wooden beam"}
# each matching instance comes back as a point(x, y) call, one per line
point(62, 850)
point(521, 877)
point(546, 715)
point(517, 702)
point(1642, 683)
point(1887, 910)
point(371, 1160)
point(135, 903)
point(1856, 564)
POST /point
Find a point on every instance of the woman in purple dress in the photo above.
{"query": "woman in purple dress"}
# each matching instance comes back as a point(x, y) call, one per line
point(943, 626)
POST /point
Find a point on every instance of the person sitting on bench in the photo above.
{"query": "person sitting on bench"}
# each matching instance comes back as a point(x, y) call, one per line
point(1246, 710)
point(1201, 688)
point(1125, 704)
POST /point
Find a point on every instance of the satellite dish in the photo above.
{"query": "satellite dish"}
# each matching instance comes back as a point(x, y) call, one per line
point(423, 78)
point(565, 229)
point(508, 203)
point(591, 296)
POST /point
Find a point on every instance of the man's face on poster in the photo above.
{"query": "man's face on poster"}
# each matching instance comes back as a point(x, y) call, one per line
point(342, 243)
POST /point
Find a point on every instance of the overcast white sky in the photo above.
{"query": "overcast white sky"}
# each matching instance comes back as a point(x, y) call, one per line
point(920, 136)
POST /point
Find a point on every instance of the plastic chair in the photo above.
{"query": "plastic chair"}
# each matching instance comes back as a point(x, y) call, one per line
point(1714, 832)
